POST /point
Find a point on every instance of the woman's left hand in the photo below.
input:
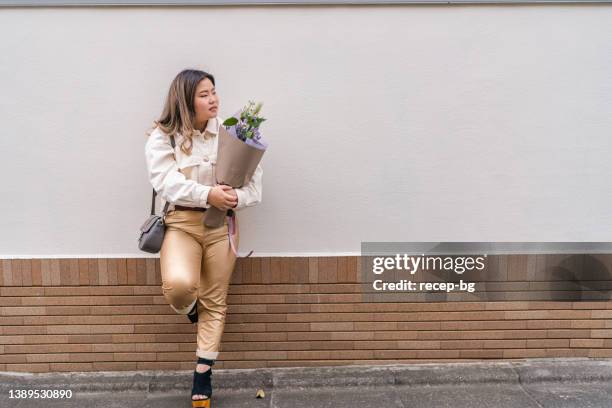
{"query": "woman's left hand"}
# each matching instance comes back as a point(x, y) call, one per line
point(233, 192)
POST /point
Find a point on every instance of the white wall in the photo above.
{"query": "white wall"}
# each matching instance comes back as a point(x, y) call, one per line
point(386, 123)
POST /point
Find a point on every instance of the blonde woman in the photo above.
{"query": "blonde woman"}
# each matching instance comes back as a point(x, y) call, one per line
point(196, 261)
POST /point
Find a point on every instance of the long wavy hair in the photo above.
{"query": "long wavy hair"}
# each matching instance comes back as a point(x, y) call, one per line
point(179, 112)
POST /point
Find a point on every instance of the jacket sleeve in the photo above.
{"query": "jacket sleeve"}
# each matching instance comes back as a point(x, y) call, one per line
point(250, 194)
point(168, 182)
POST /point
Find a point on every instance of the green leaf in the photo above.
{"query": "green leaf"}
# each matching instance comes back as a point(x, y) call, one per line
point(230, 121)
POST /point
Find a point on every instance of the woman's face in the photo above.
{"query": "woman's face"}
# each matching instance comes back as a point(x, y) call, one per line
point(206, 101)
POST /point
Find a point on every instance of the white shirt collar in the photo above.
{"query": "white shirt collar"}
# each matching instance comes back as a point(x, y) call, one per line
point(212, 128)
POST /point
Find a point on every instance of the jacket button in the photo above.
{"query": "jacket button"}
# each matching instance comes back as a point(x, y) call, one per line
point(205, 159)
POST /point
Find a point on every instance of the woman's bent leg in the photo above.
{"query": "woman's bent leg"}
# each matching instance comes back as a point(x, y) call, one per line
point(180, 263)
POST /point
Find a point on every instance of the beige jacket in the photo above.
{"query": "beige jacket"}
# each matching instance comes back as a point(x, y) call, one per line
point(188, 179)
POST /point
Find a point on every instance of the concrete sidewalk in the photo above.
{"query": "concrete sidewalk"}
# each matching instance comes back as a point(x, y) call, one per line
point(530, 383)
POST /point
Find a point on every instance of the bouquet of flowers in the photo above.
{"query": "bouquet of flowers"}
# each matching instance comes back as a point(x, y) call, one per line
point(239, 151)
point(245, 125)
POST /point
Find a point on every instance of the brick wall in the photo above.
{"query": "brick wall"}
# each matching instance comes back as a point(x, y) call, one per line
point(109, 314)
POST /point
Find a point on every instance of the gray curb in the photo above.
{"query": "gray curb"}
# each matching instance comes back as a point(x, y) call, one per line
point(449, 374)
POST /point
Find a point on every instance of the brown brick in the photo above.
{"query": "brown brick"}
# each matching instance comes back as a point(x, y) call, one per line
point(55, 272)
point(419, 325)
point(313, 270)
point(275, 327)
point(67, 291)
point(13, 358)
point(10, 301)
point(112, 290)
point(150, 271)
point(103, 271)
point(45, 271)
point(112, 271)
point(21, 291)
point(606, 334)
point(46, 358)
point(374, 326)
point(484, 325)
point(94, 276)
point(23, 311)
point(67, 310)
point(17, 273)
point(597, 353)
point(74, 272)
point(461, 344)
point(418, 344)
point(549, 324)
point(307, 335)
point(49, 348)
point(588, 324)
point(507, 305)
point(333, 326)
point(591, 305)
point(71, 367)
point(10, 320)
point(276, 308)
point(328, 269)
point(266, 355)
point(452, 354)
point(36, 272)
point(134, 356)
point(122, 270)
point(524, 353)
point(481, 354)
point(27, 330)
point(141, 272)
point(26, 272)
point(28, 368)
point(83, 272)
point(64, 269)
point(506, 344)
point(252, 346)
point(527, 314)
point(131, 271)
point(567, 352)
point(129, 338)
point(568, 333)
point(353, 335)
point(544, 343)
point(601, 314)
point(587, 343)
point(90, 338)
point(38, 339)
point(525, 334)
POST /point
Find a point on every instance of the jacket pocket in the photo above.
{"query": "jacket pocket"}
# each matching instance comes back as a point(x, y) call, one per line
point(206, 170)
point(190, 167)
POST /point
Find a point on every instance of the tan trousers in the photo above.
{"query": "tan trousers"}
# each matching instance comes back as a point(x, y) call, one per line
point(196, 266)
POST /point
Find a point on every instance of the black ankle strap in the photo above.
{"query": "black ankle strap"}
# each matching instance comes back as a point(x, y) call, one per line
point(206, 361)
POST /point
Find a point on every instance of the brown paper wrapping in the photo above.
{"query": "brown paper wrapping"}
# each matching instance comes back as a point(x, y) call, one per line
point(236, 163)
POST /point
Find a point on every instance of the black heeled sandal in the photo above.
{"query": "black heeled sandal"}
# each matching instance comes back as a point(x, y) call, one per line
point(193, 313)
point(202, 384)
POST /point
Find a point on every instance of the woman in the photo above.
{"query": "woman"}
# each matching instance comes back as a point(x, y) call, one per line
point(196, 261)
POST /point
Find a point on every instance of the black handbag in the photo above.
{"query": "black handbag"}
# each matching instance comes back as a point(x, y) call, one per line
point(153, 230)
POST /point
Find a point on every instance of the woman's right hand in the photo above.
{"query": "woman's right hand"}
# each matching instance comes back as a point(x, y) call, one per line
point(218, 197)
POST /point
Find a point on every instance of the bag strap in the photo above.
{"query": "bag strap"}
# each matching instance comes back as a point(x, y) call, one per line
point(155, 192)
